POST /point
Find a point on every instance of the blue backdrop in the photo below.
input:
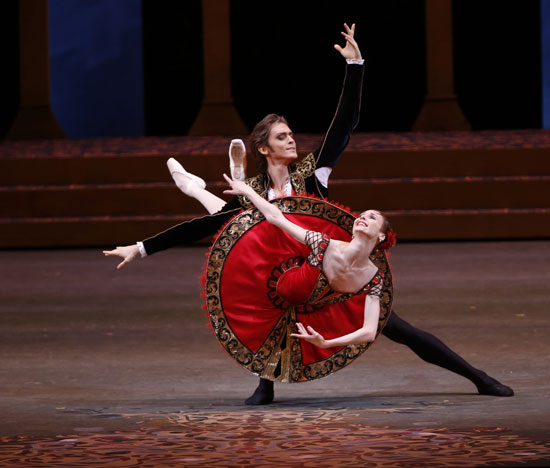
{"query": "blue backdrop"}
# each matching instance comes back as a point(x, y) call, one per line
point(96, 56)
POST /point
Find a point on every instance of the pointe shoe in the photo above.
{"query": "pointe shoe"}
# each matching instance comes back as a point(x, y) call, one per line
point(185, 181)
point(237, 159)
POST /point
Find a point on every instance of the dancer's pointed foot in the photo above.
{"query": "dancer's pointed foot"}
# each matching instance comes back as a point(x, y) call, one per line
point(237, 159)
point(490, 386)
point(185, 181)
point(263, 395)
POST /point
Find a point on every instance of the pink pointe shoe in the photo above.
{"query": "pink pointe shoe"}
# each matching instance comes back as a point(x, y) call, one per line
point(237, 159)
point(185, 181)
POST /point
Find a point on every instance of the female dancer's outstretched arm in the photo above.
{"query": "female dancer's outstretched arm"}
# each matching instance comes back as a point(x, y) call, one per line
point(363, 335)
point(272, 214)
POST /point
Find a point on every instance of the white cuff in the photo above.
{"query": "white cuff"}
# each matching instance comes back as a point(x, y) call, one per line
point(141, 248)
point(355, 61)
point(322, 174)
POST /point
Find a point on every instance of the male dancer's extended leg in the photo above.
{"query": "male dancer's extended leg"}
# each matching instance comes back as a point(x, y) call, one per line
point(428, 347)
point(433, 350)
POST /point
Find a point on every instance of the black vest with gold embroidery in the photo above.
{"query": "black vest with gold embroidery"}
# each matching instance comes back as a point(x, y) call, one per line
point(299, 175)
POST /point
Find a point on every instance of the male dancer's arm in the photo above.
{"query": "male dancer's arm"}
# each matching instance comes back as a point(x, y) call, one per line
point(345, 119)
point(193, 230)
point(181, 234)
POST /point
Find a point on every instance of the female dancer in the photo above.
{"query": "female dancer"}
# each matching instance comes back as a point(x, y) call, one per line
point(268, 292)
point(346, 265)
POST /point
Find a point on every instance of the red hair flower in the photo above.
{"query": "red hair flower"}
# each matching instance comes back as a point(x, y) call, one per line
point(389, 241)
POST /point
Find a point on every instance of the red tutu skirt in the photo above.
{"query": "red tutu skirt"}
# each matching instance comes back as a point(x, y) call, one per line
point(253, 322)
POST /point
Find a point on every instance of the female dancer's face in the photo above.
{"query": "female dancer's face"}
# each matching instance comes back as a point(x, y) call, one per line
point(369, 223)
point(281, 144)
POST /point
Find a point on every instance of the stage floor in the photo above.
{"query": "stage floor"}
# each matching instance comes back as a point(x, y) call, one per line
point(101, 367)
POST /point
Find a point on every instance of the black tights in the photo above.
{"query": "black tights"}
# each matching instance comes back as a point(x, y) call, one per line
point(427, 347)
point(430, 348)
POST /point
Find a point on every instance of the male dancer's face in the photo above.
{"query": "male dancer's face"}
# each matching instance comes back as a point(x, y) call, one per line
point(281, 146)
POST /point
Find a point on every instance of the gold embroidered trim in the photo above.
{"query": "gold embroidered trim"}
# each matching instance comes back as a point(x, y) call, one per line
point(304, 169)
point(260, 185)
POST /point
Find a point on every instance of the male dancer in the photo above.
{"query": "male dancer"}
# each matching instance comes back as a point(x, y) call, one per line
point(274, 148)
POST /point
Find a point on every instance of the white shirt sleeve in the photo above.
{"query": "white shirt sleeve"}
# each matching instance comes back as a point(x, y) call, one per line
point(141, 248)
point(322, 174)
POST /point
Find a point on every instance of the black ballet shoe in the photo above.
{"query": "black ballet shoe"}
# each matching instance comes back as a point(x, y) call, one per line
point(263, 395)
point(493, 387)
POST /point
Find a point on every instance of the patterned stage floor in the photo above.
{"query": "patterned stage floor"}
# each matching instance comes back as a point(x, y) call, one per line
point(307, 438)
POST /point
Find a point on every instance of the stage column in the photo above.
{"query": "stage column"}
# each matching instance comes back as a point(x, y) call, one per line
point(440, 110)
point(218, 115)
point(35, 118)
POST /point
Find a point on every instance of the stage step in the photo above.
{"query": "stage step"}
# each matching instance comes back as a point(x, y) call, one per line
point(163, 198)
point(412, 225)
point(104, 193)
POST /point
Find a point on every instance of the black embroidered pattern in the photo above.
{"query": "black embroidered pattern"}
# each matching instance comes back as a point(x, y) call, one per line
point(374, 288)
point(318, 243)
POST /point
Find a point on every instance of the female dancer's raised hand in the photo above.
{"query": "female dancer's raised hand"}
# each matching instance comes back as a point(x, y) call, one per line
point(310, 335)
point(237, 187)
point(351, 50)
